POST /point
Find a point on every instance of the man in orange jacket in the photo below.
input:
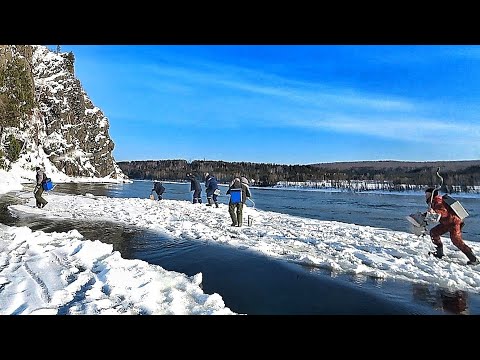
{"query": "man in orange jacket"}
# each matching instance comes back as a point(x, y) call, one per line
point(449, 222)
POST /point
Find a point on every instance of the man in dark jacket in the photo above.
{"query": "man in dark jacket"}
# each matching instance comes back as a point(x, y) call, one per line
point(235, 209)
point(211, 186)
point(40, 201)
point(196, 188)
point(449, 222)
point(159, 189)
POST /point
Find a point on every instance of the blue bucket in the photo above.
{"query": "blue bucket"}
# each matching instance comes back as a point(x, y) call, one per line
point(235, 196)
point(47, 185)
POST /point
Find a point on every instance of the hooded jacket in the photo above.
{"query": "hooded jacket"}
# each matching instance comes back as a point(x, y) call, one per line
point(158, 188)
point(211, 184)
point(194, 183)
point(238, 184)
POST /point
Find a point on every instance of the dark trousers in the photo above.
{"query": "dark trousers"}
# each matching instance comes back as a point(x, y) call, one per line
point(213, 197)
point(236, 213)
point(197, 196)
point(40, 201)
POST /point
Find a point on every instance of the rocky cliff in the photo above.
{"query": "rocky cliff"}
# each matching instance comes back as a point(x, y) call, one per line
point(47, 119)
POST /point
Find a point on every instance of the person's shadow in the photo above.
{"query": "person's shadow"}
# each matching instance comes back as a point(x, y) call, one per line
point(451, 301)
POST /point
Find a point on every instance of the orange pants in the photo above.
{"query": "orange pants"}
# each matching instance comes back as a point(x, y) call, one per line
point(455, 230)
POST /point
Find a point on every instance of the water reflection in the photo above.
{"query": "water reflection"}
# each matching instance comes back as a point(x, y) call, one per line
point(83, 188)
point(361, 279)
point(452, 301)
point(116, 234)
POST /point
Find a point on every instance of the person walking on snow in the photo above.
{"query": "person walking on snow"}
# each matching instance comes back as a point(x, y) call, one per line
point(449, 222)
point(159, 189)
point(211, 185)
point(236, 209)
point(40, 177)
point(196, 188)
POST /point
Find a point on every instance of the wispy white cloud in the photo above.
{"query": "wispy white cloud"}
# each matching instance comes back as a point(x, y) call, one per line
point(279, 101)
point(261, 83)
point(415, 129)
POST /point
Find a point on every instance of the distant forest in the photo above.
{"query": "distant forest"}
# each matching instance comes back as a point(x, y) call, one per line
point(460, 174)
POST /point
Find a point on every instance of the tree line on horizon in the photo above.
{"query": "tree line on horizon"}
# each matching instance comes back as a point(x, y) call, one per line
point(463, 175)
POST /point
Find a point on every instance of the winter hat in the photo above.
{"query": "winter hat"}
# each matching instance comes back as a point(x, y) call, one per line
point(244, 180)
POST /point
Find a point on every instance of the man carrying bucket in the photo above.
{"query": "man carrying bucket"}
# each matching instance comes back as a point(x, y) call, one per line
point(449, 221)
point(239, 192)
point(38, 191)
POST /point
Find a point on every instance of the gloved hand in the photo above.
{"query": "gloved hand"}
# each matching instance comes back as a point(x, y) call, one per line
point(432, 217)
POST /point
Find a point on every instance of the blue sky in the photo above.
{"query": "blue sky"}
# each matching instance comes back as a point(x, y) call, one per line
point(286, 104)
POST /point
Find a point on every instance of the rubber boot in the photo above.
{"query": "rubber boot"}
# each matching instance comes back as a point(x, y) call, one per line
point(239, 219)
point(234, 219)
point(216, 204)
point(439, 252)
point(472, 260)
point(210, 202)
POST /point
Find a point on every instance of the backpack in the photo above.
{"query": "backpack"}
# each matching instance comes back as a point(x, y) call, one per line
point(235, 196)
point(455, 206)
